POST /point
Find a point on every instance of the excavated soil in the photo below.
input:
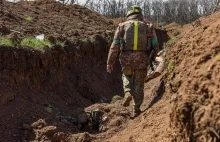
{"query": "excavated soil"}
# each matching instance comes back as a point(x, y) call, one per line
point(194, 62)
point(64, 22)
point(173, 29)
point(55, 84)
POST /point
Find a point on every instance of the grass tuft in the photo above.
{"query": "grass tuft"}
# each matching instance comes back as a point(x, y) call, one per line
point(35, 43)
point(171, 66)
point(6, 42)
point(29, 19)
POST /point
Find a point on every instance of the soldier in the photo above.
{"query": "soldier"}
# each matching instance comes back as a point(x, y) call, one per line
point(132, 40)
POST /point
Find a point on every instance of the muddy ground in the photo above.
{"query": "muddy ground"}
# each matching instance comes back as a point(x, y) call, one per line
point(47, 95)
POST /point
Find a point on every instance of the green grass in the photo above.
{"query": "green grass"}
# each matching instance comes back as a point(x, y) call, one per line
point(6, 42)
point(171, 66)
point(29, 19)
point(34, 43)
point(28, 42)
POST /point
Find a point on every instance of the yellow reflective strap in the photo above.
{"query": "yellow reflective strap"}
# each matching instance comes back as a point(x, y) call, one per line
point(135, 35)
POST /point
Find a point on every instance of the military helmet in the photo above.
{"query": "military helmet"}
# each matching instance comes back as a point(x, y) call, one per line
point(135, 9)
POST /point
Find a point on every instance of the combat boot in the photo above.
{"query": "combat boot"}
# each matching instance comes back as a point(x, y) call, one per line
point(156, 74)
point(136, 112)
point(127, 99)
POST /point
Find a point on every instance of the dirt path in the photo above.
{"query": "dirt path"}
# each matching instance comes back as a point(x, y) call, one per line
point(153, 124)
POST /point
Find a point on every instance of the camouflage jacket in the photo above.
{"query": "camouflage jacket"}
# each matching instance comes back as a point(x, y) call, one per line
point(133, 59)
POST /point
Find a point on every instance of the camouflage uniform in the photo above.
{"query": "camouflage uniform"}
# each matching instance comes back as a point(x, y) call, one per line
point(134, 65)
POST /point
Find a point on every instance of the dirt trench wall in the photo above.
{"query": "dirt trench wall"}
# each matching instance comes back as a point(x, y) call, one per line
point(193, 82)
point(46, 69)
point(34, 67)
point(68, 78)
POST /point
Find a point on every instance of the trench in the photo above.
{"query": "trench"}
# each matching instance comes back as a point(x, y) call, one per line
point(56, 85)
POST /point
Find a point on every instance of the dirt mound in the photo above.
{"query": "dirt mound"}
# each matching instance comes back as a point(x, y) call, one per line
point(171, 25)
point(173, 29)
point(54, 19)
point(194, 66)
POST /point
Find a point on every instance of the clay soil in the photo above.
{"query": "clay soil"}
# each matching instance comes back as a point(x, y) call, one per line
point(44, 96)
point(194, 81)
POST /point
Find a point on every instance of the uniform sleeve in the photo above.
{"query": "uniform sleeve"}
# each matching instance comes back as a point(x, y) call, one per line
point(115, 48)
point(155, 43)
point(154, 34)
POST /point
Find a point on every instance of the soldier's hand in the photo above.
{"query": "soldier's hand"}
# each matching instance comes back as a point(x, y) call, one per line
point(109, 68)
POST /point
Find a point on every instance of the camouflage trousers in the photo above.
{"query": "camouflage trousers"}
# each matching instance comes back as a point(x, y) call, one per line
point(133, 82)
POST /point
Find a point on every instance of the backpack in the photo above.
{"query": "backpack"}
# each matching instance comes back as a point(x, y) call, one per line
point(133, 36)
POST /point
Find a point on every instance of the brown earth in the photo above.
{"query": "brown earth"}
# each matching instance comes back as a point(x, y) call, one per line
point(64, 22)
point(194, 81)
point(173, 29)
point(152, 125)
